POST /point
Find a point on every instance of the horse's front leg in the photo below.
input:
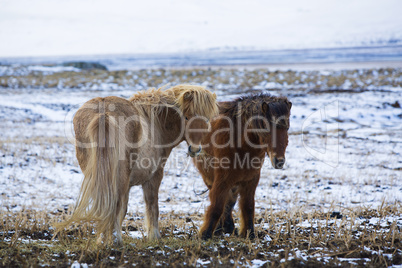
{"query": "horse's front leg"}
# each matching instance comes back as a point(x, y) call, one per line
point(151, 189)
point(247, 204)
point(218, 196)
point(226, 223)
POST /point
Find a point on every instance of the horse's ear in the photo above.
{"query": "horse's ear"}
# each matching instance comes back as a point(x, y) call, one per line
point(265, 108)
point(214, 96)
point(289, 104)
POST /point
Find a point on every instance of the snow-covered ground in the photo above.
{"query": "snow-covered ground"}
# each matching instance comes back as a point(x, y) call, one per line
point(344, 155)
point(345, 140)
point(344, 151)
point(97, 27)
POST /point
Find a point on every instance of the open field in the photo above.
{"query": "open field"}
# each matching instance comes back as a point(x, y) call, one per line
point(295, 238)
point(337, 202)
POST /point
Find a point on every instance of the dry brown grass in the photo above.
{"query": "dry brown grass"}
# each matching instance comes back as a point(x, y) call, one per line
point(324, 240)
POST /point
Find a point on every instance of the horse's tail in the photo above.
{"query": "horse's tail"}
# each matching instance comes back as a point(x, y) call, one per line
point(99, 197)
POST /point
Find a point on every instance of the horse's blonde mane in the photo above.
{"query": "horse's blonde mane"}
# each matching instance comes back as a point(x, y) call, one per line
point(152, 101)
point(190, 99)
point(195, 100)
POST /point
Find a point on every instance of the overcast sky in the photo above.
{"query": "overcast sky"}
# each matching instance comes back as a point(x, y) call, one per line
point(96, 27)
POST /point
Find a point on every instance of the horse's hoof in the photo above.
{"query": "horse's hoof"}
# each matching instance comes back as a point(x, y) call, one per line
point(251, 236)
point(219, 231)
point(229, 229)
point(206, 236)
point(236, 232)
point(154, 238)
point(154, 235)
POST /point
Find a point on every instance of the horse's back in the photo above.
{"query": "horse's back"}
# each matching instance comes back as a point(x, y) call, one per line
point(116, 107)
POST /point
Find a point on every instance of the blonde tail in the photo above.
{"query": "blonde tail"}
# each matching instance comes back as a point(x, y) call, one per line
point(100, 194)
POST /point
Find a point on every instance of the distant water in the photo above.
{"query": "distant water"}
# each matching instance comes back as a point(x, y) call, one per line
point(234, 57)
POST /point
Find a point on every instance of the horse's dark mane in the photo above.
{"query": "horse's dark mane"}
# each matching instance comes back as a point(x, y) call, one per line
point(262, 104)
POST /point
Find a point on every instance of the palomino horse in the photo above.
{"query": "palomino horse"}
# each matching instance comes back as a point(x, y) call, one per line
point(234, 151)
point(121, 143)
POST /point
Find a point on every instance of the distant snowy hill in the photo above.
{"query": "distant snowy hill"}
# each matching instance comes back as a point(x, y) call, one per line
point(99, 27)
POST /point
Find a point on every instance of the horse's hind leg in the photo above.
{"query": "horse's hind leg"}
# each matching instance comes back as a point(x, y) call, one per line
point(226, 224)
point(247, 204)
point(151, 189)
point(120, 217)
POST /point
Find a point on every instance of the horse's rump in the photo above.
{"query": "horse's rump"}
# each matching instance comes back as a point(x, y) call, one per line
point(100, 150)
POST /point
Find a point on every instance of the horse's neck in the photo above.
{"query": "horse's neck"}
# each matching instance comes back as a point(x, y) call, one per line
point(170, 128)
point(252, 143)
point(235, 137)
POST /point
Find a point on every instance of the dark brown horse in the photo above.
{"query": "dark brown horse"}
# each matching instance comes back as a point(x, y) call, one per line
point(234, 151)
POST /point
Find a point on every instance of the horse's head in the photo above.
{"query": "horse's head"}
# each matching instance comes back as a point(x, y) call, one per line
point(277, 114)
point(198, 106)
